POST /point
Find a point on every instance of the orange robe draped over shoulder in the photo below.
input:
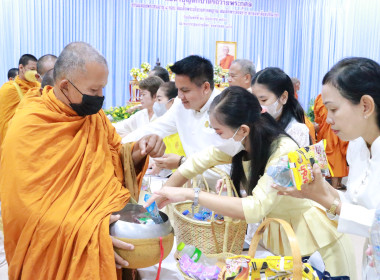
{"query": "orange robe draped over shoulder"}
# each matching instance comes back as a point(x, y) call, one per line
point(226, 62)
point(336, 148)
point(60, 179)
point(311, 128)
point(9, 100)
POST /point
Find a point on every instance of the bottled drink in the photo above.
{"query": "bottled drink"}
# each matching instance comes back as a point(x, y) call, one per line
point(281, 173)
point(375, 240)
point(195, 254)
point(153, 210)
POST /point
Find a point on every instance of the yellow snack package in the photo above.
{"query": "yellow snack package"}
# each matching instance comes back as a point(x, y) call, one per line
point(302, 160)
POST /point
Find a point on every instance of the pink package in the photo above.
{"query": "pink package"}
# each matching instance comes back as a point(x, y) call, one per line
point(185, 262)
point(195, 270)
point(210, 273)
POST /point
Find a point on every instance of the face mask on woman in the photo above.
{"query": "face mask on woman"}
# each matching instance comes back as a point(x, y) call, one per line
point(230, 146)
point(272, 109)
point(160, 108)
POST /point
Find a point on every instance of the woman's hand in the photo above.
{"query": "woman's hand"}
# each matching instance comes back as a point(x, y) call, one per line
point(167, 195)
point(318, 190)
point(168, 161)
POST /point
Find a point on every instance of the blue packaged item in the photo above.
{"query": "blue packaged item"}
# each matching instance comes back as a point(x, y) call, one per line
point(153, 210)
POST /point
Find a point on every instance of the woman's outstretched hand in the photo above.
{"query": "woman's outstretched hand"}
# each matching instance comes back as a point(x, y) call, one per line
point(167, 195)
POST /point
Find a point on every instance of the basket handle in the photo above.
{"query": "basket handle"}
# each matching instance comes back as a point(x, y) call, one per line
point(297, 261)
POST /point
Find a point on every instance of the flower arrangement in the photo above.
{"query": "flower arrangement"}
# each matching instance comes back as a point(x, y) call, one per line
point(218, 71)
point(145, 67)
point(116, 114)
point(217, 80)
point(310, 111)
point(168, 68)
point(135, 72)
point(141, 76)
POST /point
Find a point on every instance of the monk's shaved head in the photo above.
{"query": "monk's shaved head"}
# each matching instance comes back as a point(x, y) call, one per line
point(74, 58)
point(45, 63)
point(48, 79)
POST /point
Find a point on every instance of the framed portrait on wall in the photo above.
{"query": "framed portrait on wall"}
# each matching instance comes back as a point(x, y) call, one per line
point(225, 53)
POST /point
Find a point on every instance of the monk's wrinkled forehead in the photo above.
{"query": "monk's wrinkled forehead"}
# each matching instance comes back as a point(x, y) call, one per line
point(74, 58)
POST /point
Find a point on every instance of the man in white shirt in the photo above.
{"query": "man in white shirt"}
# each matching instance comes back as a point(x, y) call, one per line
point(189, 114)
point(241, 73)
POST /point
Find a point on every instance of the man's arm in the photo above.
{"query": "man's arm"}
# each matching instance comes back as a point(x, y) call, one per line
point(151, 145)
point(163, 126)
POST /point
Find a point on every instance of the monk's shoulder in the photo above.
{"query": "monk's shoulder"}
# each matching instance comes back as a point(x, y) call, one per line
point(7, 88)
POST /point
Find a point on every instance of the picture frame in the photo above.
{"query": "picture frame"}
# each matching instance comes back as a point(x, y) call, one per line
point(225, 53)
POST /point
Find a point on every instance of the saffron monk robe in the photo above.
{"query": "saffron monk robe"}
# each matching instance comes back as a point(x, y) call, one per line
point(61, 176)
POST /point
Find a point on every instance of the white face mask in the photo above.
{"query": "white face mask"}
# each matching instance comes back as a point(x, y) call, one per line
point(230, 146)
point(159, 109)
point(272, 109)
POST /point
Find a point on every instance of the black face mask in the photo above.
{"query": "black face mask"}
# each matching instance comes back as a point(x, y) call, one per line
point(90, 104)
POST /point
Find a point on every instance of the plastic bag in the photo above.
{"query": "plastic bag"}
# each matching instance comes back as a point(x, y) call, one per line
point(302, 160)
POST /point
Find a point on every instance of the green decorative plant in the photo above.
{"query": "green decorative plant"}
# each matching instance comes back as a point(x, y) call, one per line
point(310, 110)
point(117, 114)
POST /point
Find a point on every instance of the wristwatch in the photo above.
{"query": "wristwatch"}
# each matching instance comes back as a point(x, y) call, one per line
point(331, 213)
point(182, 159)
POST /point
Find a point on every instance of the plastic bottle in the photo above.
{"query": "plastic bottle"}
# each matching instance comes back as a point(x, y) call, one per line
point(195, 254)
point(153, 210)
point(375, 240)
point(281, 173)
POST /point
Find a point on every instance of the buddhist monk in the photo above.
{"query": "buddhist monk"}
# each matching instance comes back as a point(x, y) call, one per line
point(12, 73)
point(12, 92)
point(44, 64)
point(227, 59)
point(335, 147)
point(61, 175)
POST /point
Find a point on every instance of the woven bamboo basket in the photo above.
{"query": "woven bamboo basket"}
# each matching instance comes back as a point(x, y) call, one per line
point(212, 237)
point(296, 253)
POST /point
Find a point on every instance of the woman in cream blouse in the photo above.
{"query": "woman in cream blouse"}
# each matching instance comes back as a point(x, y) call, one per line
point(351, 94)
point(253, 135)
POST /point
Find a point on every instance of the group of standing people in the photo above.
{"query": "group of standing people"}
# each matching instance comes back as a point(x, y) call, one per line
point(65, 168)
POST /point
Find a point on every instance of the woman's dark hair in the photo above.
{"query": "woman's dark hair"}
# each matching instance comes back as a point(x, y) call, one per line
point(169, 89)
point(277, 82)
point(234, 107)
point(151, 84)
point(354, 77)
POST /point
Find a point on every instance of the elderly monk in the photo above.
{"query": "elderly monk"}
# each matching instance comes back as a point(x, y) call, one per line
point(336, 148)
point(61, 176)
point(44, 64)
point(12, 92)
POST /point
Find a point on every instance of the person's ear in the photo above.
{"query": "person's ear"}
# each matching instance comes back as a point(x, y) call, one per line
point(206, 87)
point(38, 77)
point(244, 130)
point(284, 97)
point(20, 68)
point(368, 105)
point(247, 78)
point(64, 84)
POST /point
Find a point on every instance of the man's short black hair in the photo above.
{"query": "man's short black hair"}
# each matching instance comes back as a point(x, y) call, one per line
point(197, 68)
point(12, 73)
point(25, 58)
point(161, 72)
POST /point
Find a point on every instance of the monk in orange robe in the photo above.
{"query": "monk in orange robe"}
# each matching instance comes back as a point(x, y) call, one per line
point(226, 61)
point(336, 148)
point(311, 128)
point(61, 176)
point(12, 92)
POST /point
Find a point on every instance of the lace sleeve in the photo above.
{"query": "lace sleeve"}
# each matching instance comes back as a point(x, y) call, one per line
point(300, 133)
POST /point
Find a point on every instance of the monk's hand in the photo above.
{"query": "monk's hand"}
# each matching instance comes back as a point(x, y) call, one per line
point(120, 262)
point(151, 145)
point(167, 195)
point(168, 161)
point(316, 190)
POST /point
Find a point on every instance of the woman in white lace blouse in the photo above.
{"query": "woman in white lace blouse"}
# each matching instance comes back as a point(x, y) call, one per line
point(351, 94)
point(275, 92)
